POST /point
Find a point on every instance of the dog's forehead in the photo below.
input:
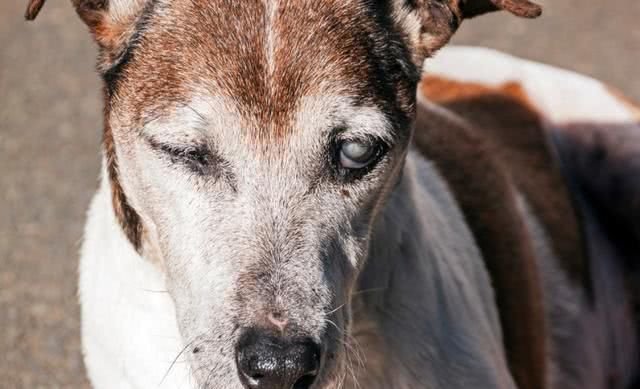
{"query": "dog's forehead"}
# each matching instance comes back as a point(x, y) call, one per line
point(265, 56)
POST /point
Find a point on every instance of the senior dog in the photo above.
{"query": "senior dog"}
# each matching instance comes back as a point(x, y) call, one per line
point(285, 204)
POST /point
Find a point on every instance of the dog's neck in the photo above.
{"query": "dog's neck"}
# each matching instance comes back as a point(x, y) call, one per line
point(425, 282)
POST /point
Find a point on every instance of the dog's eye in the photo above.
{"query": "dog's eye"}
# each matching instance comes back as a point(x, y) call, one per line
point(197, 158)
point(358, 154)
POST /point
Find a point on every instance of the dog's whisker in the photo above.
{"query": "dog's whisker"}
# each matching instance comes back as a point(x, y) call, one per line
point(166, 374)
point(335, 309)
point(175, 360)
point(350, 350)
point(370, 290)
point(351, 371)
point(209, 377)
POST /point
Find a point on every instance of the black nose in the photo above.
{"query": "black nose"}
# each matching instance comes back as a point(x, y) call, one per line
point(270, 362)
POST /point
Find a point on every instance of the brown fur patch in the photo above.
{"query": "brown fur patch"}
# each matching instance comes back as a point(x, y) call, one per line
point(626, 101)
point(493, 147)
point(127, 217)
point(514, 129)
point(261, 59)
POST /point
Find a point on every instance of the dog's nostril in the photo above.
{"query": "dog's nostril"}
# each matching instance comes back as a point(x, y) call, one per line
point(269, 362)
point(278, 320)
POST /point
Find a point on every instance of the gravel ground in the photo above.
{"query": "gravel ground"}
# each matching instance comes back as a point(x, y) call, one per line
point(49, 137)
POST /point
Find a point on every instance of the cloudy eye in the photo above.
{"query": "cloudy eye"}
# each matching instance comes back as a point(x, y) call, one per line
point(357, 154)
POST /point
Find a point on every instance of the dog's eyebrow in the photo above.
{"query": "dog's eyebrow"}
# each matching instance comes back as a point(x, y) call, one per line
point(160, 113)
point(356, 119)
point(183, 124)
point(205, 121)
point(367, 121)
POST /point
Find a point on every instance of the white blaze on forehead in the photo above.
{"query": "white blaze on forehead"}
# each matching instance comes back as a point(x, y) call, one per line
point(271, 13)
point(560, 95)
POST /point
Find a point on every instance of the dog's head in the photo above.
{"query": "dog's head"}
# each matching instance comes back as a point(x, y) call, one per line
point(250, 145)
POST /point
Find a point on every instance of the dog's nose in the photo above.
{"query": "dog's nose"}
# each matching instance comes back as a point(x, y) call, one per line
point(269, 362)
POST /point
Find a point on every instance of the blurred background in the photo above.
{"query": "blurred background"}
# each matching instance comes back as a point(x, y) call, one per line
point(50, 121)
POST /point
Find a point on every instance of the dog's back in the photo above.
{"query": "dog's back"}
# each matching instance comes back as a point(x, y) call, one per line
point(515, 138)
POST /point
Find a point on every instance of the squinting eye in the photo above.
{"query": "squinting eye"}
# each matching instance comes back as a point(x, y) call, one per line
point(198, 158)
point(195, 155)
point(356, 155)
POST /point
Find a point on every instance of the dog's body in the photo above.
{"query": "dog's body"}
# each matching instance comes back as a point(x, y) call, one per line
point(277, 210)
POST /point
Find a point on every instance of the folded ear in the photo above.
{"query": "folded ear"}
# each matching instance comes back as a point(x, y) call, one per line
point(111, 22)
point(521, 8)
point(429, 24)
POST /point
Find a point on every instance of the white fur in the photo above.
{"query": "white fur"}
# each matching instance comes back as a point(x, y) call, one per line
point(129, 331)
point(124, 10)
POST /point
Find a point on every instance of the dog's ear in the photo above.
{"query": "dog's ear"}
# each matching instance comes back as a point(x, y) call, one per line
point(521, 8)
point(429, 24)
point(33, 9)
point(111, 22)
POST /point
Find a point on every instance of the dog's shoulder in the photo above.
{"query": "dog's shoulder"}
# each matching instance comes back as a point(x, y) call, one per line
point(501, 130)
point(487, 138)
point(512, 133)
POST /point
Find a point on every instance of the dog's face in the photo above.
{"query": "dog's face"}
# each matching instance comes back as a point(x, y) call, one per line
point(250, 146)
point(257, 159)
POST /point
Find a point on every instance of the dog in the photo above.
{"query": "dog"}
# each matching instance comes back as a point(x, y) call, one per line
point(286, 202)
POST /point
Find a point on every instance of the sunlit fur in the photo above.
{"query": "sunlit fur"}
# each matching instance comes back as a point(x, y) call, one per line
point(383, 270)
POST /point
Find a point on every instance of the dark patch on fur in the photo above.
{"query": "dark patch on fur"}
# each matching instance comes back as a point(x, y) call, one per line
point(113, 73)
point(516, 135)
point(521, 8)
point(603, 162)
point(127, 217)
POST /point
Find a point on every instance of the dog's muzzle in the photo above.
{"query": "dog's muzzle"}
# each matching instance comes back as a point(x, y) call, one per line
point(267, 361)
